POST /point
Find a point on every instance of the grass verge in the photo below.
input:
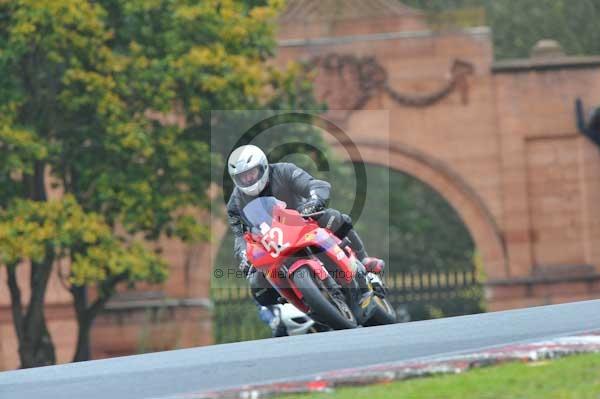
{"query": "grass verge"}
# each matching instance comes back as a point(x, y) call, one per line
point(576, 377)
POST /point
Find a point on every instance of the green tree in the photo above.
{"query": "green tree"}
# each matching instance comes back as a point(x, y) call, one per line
point(433, 6)
point(46, 231)
point(518, 24)
point(109, 100)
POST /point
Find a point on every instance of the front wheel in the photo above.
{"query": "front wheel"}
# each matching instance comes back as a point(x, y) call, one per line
point(325, 307)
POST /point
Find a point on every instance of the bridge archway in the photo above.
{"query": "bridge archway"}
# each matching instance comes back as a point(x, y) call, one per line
point(450, 185)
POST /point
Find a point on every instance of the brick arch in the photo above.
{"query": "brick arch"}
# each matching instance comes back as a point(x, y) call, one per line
point(452, 187)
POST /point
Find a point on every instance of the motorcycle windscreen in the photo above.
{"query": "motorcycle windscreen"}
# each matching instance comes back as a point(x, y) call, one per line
point(260, 211)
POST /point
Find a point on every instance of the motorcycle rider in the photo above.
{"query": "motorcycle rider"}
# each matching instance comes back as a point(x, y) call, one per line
point(254, 177)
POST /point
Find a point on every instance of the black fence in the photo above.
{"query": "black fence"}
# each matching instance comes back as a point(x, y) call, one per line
point(422, 296)
point(235, 316)
point(415, 296)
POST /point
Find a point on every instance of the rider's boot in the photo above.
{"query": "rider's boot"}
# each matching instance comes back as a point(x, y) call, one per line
point(372, 264)
point(368, 279)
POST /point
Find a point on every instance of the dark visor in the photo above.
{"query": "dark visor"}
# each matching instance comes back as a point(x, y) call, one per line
point(249, 177)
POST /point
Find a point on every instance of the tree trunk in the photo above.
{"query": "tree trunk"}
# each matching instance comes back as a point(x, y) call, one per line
point(84, 324)
point(35, 343)
point(83, 350)
point(39, 350)
point(15, 301)
point(86, 314)
point(36, 347)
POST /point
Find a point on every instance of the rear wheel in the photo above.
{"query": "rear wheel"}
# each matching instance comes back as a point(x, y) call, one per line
point(384, 313)
point(326, 307)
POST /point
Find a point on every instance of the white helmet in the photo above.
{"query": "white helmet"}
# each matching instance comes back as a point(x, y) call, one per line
point(249, 169)
point(295, 321)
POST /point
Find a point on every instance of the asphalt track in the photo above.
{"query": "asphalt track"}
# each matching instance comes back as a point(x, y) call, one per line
point(226, 366)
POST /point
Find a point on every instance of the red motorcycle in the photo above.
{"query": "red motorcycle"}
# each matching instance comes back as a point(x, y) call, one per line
point(313, 269)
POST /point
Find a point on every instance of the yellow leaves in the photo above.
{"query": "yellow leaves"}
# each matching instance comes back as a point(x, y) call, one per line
point(84, 271)
point(28, 229)
point(135, 47)
point(213, 69)
point(13, 249)
point(44, 232)
point(195, 105)
point(189, 13)
point(110, 105)
point(88, 237)
point(132, 136)
point(181, 56)
point(141, 62)
point(15, 139)
point(118, 62)
point(18, 149)
point(89, 88)
point(263, 14)
point(236, 33)
point(93, 82)
point(188, 229)
point(8, 109)
point(144, 5)
point(23, 29)
point(203, 56)
point(142, 188)
point(277, 5)
point(116, 258)
point(214, 83)
point(130, 140)
point(227, 12)
point(60, 26)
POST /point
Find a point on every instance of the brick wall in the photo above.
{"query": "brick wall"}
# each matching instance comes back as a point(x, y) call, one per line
point(504, 147)
point(501, 147)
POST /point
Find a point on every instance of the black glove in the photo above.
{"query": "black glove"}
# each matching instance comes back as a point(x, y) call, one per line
point(244, 266)
point(313, 205)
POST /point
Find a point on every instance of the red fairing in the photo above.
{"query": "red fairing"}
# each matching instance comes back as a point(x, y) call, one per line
point(316, 267)
point(288, 233)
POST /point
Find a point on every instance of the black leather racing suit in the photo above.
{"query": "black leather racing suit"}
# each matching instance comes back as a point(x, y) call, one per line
point(294, 186)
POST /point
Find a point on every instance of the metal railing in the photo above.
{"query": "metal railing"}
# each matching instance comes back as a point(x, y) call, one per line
point(415, 296)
